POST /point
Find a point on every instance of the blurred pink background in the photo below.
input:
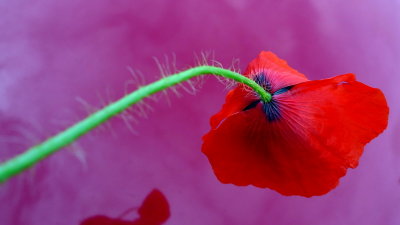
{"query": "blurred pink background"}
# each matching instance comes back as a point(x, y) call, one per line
point(54, 52)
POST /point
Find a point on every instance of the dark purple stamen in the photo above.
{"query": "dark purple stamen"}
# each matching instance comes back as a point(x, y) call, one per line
point(271, 109)
point(262, 80)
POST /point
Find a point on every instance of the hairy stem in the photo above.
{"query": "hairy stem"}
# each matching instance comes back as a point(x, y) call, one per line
point(33, 155)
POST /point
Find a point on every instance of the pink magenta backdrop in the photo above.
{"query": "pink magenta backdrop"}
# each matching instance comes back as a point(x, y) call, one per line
point(53, 52)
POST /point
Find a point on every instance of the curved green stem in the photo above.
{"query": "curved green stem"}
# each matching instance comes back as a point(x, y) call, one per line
point(33, 155)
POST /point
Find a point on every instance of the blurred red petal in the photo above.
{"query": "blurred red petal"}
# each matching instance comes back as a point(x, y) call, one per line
point(103, 220)
point(155, 208)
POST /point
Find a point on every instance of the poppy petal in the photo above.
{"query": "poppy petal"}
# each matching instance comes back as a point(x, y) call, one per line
point(154, 209)
point(346, 113)
point(236, 100)
point(318, 131)
point(276, 72)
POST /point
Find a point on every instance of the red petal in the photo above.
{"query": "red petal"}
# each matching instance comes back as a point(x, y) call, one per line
point(323, 128)
point(277, 71)
point(155, 208)
point(346, 113)
point(103, 220)
point(236, 100)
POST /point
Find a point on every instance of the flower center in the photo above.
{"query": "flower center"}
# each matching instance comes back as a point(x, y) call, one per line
point(261, 79)
point(271, 109)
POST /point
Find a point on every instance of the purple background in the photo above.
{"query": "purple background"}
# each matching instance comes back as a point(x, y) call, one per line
point(53, 52)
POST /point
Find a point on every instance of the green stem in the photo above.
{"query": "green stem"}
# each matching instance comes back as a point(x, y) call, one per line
point(33, 155)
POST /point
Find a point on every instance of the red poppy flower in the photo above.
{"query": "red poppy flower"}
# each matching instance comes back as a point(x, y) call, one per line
point(153, 211)
point(303, 140)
